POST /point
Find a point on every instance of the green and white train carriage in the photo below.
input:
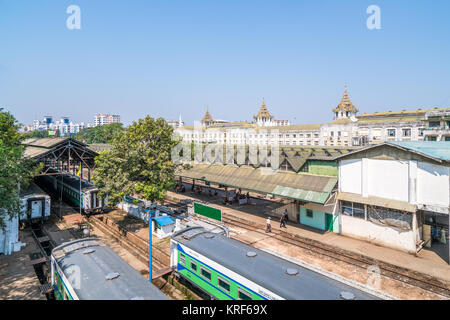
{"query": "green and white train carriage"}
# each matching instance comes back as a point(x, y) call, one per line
point(86, 269)
point(69, 185)
point(227, 269)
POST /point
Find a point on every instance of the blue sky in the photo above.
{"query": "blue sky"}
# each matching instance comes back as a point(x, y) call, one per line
point(166, 58)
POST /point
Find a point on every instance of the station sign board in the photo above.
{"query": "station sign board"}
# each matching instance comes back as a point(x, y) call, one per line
point(208, 211)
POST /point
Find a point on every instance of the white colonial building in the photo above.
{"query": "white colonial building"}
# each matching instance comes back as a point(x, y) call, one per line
point(346, 129)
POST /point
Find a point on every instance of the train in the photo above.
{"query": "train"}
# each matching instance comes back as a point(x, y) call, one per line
point(227, 269)
point(86, 269)
point(69, 186)
point(35, 204)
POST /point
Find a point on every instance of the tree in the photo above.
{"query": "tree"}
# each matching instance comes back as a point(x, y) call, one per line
point(35, 134)
point(99, 134)
point(15, 171)
point(139, 162)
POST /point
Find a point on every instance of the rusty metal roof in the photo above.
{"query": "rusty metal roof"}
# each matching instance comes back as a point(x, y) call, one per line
point(377, 201)
point(298, 186)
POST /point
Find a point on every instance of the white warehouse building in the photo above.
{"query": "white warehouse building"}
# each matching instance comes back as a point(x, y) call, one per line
point(396, 194)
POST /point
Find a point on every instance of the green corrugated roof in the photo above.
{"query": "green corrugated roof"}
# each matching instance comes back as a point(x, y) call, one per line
point(298, 186)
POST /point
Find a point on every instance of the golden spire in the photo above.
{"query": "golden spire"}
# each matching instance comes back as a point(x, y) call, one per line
point(207, 117)
point(345, 104)
point(263, 113)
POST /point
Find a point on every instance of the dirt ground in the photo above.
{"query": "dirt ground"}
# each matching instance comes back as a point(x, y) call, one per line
point(18, 280)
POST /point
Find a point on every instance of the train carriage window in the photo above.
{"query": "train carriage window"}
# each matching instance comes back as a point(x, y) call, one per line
point(244, 295)
point(182, 258)
point(224, 284)
point(193, 266)
point(205, 273)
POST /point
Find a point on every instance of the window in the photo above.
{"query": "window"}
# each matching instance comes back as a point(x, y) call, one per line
point(434, 124)
point(244, 295)
point(391, 132)
point(205, 273)
point(182, 258)
point(339, 133)
point(193, 266)
point(224, 284)
point(309, 213)
point(332, 134)
point(421, 132)
point(353, 209)
point(406, 132)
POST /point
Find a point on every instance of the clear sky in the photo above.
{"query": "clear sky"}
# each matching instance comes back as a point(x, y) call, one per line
point(165, 58)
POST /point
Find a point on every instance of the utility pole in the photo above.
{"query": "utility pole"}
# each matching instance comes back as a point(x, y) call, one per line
point(150, 245)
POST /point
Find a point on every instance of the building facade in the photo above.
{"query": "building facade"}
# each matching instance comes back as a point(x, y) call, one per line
point(102, 119)
point(346, 129)
point(396, 194)
point(64, 126)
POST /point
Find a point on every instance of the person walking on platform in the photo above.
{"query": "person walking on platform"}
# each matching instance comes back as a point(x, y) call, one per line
point(268, 226)
point(283, 219)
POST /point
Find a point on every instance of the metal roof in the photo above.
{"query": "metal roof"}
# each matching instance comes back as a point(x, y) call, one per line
point(97, 264)
point(164, 220)
point(33, 190)
point(298, 186)
point(377, 201)
point(264, 269)
point(60, 148)
point(435, 149)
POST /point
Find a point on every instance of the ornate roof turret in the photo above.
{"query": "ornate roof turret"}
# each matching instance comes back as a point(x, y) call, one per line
point(346, 104)
point(263, 113)
point(207, 117)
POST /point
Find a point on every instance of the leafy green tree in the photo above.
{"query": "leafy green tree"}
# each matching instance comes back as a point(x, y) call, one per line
point(15, 171)
point(139, 162)
point(99, 134)
point(35, 134)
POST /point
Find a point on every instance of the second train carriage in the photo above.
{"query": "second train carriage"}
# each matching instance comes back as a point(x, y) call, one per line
point(35, 204)
point(228, 269)
point(86, 269)
point(69, 185)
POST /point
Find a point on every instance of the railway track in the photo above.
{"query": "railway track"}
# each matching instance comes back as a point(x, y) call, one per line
point(130, 241)
point(404, 275)
point(138, 247)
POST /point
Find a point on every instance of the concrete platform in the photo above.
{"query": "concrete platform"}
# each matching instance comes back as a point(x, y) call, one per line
point(427, 261)
point(18, 280)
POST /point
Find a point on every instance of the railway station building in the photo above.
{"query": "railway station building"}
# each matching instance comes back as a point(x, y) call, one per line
point(305, 179)
point(396, 194)
point(58, 155)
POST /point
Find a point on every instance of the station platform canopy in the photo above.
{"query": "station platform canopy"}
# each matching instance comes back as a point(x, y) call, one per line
point(60, 153)
point(296, 186)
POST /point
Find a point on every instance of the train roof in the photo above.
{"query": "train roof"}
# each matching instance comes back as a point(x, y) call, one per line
point(74, 182)
point(97, 263)
point(266, 270)
point(33, 190)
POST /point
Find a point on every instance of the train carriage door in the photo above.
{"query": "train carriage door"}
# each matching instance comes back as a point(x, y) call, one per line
point(86, 203)
point(94, 200)
point(36, 209)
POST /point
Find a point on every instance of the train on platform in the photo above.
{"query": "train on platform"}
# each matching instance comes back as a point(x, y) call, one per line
point(77, 192)
point(86, 269)
point(227, 269)
point(35, 204)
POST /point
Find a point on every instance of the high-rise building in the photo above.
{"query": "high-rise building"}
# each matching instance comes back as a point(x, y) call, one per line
point(101, 119)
